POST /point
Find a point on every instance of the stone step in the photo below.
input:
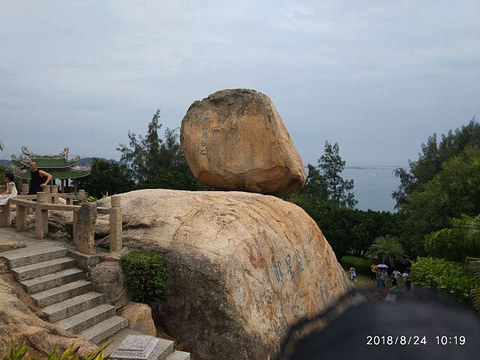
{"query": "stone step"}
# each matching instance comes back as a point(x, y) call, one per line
point(87, 319)
point(105, 329)
point(60, 293)
point(26, 256)
point(179, 355)
point(50, 281)
point(44, 268)
point(166, 348)
point(73, 306)
point(143, 347)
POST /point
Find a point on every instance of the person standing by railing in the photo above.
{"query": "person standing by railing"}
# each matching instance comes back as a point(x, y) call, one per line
point(11, 189)
point(39, 179)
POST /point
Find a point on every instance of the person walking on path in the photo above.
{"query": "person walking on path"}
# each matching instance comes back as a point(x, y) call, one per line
point(383, 278)
point(374, 271)
point(353, 274)
point(11, 189)
point(39, 179)
point(395, 276)
point(379, 274)
point(406, 279)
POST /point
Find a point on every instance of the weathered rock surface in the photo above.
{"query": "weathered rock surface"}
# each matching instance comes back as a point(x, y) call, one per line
point(107, 278)
point(242, 267)
point(236, 140)
point(139, 318)
point(6, 245)
point(20, 323)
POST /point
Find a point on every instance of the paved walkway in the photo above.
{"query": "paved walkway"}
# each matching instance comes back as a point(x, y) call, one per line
point(10, 234)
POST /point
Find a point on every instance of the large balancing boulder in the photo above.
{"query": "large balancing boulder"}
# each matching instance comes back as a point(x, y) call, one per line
point(236, 140)
point(242, 267)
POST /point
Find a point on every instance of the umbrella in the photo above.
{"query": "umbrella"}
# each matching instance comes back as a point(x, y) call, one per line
point(381, 266)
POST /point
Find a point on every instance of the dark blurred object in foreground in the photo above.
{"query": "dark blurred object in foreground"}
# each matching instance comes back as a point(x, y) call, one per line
point(419, 325)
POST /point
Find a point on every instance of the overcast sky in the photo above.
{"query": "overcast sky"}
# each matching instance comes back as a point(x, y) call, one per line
point(378, 77)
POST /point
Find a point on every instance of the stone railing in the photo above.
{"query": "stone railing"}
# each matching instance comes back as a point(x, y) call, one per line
point(84, 218)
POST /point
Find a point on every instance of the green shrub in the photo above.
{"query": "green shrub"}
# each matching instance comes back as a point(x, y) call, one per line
point(145, 275)
point(361, 265)
point(454, 243)
point(444, 276)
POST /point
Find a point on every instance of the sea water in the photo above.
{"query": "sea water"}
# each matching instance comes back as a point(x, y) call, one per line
point(373, 185)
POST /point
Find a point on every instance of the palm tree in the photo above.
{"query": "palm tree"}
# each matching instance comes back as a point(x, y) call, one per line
point(388, 250)
point(474, 264)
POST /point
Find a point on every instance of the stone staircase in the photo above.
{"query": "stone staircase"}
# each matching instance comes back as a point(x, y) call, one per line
point(49, 275)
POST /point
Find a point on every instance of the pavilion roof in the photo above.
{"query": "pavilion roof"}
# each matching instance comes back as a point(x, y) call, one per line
point(46, 163)
point(56, 174)
point(59, 166)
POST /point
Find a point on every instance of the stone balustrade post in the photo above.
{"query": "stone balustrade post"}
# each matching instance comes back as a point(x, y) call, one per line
point(5, 210)
point(41, 216)
point(84, 228)
point(21, 217)
point(5, 215)
point(54, 192)
point(46, 189)
point(24, 189)
point(115, 236)
point(81, 195)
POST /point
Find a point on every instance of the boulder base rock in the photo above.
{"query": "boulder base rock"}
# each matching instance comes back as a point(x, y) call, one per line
point(6, 245)
point(236, 140)
point(139, 318)
point(242, 267)
point(107, 278)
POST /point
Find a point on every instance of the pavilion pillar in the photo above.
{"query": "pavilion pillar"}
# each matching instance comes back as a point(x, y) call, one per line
point(63, 186)
point(76, 185)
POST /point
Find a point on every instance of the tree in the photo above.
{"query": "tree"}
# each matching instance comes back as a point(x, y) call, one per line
point(452, 192)
point(157, 162)
point(315, 187)
point(325, 183)
point(107, 178)
point(1, 146)
point(331, 166)
point(474, 267)
point(455, 243)
point(433, 154)
point(142, 154)
point(349, 231)
point(388, 250)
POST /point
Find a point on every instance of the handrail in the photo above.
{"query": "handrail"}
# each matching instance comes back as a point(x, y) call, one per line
point(84, 218)
point(44, 206)
point(58, 207)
